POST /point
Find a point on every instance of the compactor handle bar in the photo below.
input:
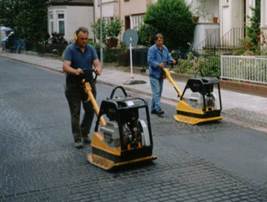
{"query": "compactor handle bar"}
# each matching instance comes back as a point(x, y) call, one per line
point(114, 90)
point(89, 75)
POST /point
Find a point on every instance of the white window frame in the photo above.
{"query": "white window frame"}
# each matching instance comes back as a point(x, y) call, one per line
point(58, 12)
point(136, 21)
point(51, 26)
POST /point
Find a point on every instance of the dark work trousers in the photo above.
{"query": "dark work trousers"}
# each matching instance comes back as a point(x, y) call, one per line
point(76, 96)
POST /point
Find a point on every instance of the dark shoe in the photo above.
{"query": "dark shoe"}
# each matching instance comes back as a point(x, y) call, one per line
point(158, 113)
point(161, 111)
point(78, 144)
point(153, 112)
point(86, 140)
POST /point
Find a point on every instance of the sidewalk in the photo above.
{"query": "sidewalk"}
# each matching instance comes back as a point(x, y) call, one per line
point(248, 107)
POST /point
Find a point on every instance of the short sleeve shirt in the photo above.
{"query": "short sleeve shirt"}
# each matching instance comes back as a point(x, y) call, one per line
point(79, 59)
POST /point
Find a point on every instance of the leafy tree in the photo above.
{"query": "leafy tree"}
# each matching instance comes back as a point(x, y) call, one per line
point(27, 17)
point(8, 9)
point(146, 34)
point(174, 20)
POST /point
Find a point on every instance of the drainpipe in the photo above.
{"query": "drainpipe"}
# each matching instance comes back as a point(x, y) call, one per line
point(101, 33)
point(94, 16)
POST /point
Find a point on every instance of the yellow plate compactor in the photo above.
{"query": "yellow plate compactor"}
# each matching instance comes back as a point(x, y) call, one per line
point(198, 102)
point(120, 136)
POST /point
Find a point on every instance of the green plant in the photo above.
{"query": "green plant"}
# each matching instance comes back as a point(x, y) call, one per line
point(185, 65)
point(173, 19)
point(110, 31)
point(114, 28)
point(209, 66)
point(97, 28)
point(203, 65)
point(253, 31)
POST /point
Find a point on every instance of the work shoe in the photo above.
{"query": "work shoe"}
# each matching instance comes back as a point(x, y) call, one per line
point(161, 111)
point(86, 140)
point(158, 113)
point(78, 144)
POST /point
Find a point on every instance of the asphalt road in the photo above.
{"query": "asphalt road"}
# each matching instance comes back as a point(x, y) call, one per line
point(216, 162)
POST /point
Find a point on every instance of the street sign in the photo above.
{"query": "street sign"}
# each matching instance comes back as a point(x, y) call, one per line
point(130, 37)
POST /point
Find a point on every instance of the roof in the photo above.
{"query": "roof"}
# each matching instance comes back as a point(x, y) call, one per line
point(71, 2)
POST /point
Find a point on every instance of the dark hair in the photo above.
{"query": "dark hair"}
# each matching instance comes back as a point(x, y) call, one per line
point(157, 36)
point(81, 29)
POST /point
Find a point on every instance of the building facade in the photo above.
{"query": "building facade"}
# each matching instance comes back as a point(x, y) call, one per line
point(222, 23)
point(66, 16)
point(130, 12)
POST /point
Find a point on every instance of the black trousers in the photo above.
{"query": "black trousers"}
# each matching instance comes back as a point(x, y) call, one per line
point(76, 97)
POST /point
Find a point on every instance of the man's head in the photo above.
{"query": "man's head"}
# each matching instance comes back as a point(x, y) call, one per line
point(82, 35)
point(159, 40)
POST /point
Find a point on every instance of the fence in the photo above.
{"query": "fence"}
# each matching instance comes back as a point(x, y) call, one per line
point(244, 68)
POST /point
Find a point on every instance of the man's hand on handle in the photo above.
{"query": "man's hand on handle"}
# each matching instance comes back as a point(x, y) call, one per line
point(78, 72)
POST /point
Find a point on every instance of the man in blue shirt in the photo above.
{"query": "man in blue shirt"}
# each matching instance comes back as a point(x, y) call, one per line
point(80, 56)
point(158, 58)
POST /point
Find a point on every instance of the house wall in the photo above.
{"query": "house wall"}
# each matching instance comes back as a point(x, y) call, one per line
point(204, 9)
point(132, 7)
point(74, 17)
point(232, 18)
point(206, 35)
point(249, 4)
point(79, 16)
point(109, 8)
point(135, 9)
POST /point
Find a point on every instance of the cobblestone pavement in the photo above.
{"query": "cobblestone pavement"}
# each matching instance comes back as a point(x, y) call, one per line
point(39, 163)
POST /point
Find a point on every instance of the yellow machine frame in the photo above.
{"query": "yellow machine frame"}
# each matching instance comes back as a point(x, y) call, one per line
point(107, 157)
point(185, 112)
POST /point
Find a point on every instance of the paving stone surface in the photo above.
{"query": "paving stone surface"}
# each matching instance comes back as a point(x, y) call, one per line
point(39, 162)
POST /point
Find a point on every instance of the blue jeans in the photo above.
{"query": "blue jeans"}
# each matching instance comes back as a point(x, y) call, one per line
point(156, 87)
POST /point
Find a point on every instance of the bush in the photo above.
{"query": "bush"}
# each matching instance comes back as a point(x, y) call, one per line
point(96, 29)
point(56, 44)
point(110, 31)
point(210, 66)
point(203, 65)
point(114, 28)
point(173, 19)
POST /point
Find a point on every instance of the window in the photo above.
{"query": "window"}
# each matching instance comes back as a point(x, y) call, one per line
point(60, 16)
point(136, 21)
point(56, 21)
point(225, 3)
point(51, 22)
point(51, 27)
point(61, 22)
point(61, 27)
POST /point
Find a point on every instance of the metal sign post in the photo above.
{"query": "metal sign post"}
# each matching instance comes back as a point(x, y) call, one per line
point(131, 58)
point(101, 32)
point(130, 38)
